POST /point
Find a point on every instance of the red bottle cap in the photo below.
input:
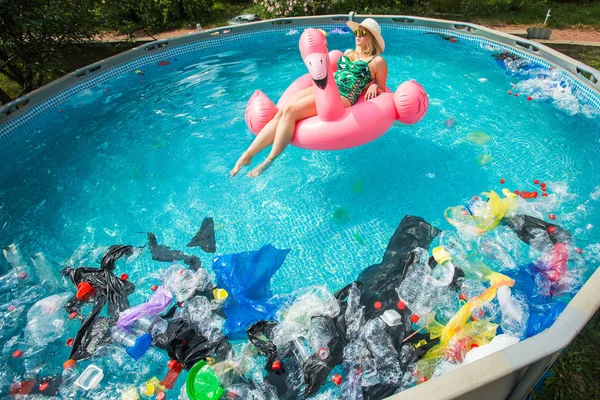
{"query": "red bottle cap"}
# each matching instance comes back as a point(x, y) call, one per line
point(180, 304)
point(516, 94)
point(552, 229)
point(73, 315)
point(475, 198)
point(529, 98)
point(276, 365)
point(452, 40)
point(377, 305)
point(552, 216)
point(517, 192)
point(124, 277)
point(153, 287)
point(337, 379)
point(544, 194)
point(502, 180)
point(17, 353)
point(414, 318)
point(175, 365)
point(70, 363)
point(537, 181)
point(70, 342)
point(509, 92)
point(181, 271)
point(84, 291)
point(462, 296)
point(473, 345)
point(161, 396)
point(11, 308)
point(423, 379)
point(22, 275)
point(401, 305)
point(43, 386)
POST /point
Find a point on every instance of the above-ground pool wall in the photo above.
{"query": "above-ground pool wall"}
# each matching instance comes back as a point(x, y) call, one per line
point(510, 373)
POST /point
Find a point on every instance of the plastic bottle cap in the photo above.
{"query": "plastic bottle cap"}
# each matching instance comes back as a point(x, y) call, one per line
point(473, 345)
point(70, 342)
point(17, 354)
point(452, 40)
point(462, 296)
point(175, 365)
point(423, 379)
point(401, 305)
point(43, 386)
point(516, 94)
point(517, 192)
point(276, 365)
point(377, 305)
point(153, 287)
point(414, 318)
point(552, 229)
point(543, 184)
point(544, 194)
point(73, 315)
point(181, 271)
point(124, 277)
point(537, 181)
point(22, 275)
point(220, 295)
point(84, 291)
point(529, 98)
point(475, 198)
point(337, 379)
point(323, 353)
point(70, 363)
point(180, 304)
point(441, 255)
point(161, 396)
point(502, 180)
point(11, 308)
point(509, 92)
point(552, 216)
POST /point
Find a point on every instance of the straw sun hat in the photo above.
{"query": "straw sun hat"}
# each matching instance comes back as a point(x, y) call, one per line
point(372, 26)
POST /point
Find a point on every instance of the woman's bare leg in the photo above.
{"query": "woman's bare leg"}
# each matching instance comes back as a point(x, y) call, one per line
point(296, 111)
point(266, 136)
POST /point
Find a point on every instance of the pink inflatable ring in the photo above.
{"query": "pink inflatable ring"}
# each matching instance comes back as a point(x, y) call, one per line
point(335, 127)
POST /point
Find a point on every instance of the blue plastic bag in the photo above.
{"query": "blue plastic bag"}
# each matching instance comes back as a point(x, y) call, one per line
point(246, 277)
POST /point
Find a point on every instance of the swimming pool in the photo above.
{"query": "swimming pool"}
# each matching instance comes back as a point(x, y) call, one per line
point(147, 148)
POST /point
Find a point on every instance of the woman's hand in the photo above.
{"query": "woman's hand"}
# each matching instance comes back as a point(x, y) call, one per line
point(372, 91)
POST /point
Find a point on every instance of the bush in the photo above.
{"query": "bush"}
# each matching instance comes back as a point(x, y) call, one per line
point(197, 10)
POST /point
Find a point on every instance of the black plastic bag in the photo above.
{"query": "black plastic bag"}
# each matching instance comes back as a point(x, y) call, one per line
point(166, 254)
point(526, 227)
point(260, 335)
point(108, 288)
point(381, 280)
point(185, 344)
point(205, 238)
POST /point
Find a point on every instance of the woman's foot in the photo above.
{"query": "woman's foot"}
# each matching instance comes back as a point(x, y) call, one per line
point(242, 161)
point(262, 167)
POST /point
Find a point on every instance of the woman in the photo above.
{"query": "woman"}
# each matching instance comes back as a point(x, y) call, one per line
point(359, 70)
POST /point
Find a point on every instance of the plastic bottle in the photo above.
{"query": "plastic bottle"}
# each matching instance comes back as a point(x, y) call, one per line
point(434, 284)
point(412, 285)
point(175, 368)
point(351, 386)
point(137, 347)
point(301, 349)
point(319, 336)
point(13, 256)
point(155, 325)
point(46, 273)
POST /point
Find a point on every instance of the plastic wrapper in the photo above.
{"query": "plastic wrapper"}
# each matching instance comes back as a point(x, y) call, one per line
point(159, 301)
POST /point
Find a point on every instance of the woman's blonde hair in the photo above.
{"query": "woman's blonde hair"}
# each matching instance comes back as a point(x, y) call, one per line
point(372, 48)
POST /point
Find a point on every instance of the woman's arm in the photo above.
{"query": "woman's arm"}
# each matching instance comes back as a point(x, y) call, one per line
point(381, 73)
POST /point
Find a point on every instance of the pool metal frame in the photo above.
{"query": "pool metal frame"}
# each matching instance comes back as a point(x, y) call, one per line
point(508, 374)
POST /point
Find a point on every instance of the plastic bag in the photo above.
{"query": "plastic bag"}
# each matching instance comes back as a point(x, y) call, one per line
point(165, 254)
point(107, 289)
point(159, 301)
point(246, 276)
point(205, 238)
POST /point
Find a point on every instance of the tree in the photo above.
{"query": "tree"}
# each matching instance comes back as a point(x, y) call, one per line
point(34, 32)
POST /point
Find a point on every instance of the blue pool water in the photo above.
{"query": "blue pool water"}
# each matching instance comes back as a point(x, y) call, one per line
point(152, 152)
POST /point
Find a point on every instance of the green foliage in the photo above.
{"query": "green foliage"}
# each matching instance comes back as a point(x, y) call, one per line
point(33, 32)
point(592, 59)
point(197, 10)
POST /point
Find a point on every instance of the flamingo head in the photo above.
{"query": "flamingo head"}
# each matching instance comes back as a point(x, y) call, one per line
point(313, 48)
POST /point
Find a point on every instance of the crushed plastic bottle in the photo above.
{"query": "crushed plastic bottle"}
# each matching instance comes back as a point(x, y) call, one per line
point(351, 386)
point(319, 336)
point(199, 311)
point(47, 274)
point(434, 284)
point(354, 313)
point(184, 282)
point(46, 320)
point(155, 326)
point(515, 313)
point(414, 282)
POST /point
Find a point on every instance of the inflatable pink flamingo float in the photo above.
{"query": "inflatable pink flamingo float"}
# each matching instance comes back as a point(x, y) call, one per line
point(335, 127)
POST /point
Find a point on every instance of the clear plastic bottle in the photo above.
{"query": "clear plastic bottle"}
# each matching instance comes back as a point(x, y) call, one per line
point(137, 347)
point(302, 350)
point(434, 284)
point(46, 273)
point(154, 325)
point(351, 386)
point(412, 285)
point(319, 336)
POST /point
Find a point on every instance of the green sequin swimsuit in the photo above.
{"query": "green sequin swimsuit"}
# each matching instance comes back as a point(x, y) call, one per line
point(352, 77)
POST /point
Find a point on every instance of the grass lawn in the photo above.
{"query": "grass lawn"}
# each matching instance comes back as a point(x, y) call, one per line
point(12, 89)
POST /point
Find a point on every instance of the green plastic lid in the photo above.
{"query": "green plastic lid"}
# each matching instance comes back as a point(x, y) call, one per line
point(202, 383)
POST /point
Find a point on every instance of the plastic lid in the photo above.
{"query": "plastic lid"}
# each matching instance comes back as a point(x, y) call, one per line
point(441, 255)
point(220, 295)
point(84, 291)
point(202, 383)
point(70, 363)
